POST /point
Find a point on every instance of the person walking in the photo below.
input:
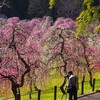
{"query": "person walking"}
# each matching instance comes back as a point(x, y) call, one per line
point(72, 85)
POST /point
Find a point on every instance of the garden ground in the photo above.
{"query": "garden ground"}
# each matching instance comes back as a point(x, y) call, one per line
point(48, 92)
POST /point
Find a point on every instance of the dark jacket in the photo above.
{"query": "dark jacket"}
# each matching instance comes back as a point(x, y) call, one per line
point(73, 81)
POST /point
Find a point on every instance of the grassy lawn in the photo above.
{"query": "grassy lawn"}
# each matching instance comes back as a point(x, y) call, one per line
point(48, 92)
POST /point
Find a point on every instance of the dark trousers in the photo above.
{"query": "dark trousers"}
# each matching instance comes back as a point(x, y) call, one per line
point(71, 95)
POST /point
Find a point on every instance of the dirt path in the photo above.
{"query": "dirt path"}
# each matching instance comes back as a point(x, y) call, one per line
point(91, 97)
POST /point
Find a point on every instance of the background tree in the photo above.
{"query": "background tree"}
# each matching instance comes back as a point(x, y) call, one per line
point(86, 55)
point(88, 16)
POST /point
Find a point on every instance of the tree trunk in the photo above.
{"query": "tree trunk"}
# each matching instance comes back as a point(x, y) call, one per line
point(62, 86)
point(91, 78)
point(30, 94)
point(16, 92)
point(35, 86)
point(83, 79)
point(18, 96)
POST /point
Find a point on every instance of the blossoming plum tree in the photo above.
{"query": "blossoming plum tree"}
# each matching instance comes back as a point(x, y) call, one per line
point(20, 53)
point(66, 51)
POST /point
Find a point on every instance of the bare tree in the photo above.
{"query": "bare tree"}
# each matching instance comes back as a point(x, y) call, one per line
point(4, 3)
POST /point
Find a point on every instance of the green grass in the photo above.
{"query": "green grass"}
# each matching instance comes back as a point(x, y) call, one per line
point(48, 92)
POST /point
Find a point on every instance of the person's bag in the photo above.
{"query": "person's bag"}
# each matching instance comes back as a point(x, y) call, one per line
point(71, 89)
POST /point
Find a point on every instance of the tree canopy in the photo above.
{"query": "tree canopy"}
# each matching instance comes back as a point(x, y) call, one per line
point(88, 16)
point(90, 13)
